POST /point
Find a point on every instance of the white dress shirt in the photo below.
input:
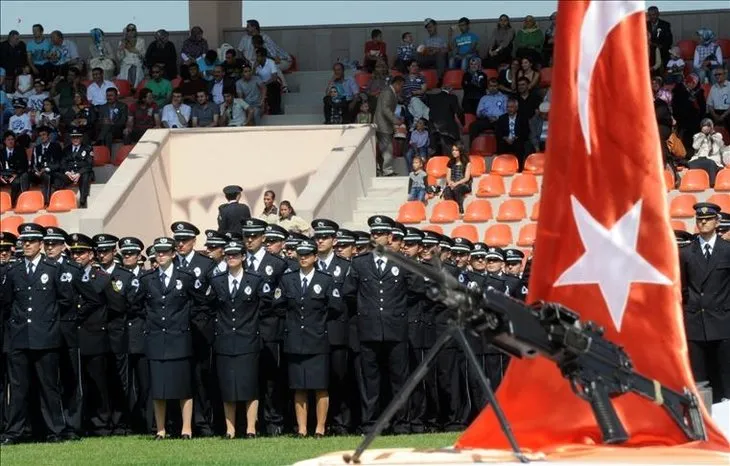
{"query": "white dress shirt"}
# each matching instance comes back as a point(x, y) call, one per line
point(258, 256)
point(238, 278)
point(167, 273)
point(711, 242)
point(327, 260)
point(308, 277)
point(169, 115)
point(96, 94)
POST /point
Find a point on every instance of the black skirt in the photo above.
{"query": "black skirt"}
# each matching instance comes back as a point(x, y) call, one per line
point(308, 371)
point(238, 376)
point(171, 379)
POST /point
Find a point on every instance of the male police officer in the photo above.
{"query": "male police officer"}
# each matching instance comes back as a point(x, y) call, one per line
point(232, 214)
point(78, 165)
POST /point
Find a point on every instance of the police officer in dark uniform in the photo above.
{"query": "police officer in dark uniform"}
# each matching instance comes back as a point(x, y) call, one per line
point(214, 243)
point(684, 238)
point(325, 232)
point(13, 167)
point(310, 299)
point(380, 289)
point(131, 250)
point(7, 244)
point(204, 379)
point(706, 301)
point(232, 214)
point(78, 165)
point(445, 245)
point(272, 368)
point(399, 231)
point(274, 239)
point(723, 228)
point(151, 256)
point(237, 300)
point(345, 244)
point(290, 250)
point(363, 242)
point(495, 267)
point(34, 291)
point(513, 259)
point(45, 164)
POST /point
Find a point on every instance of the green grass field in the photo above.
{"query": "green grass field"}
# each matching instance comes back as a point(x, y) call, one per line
point(211, 451)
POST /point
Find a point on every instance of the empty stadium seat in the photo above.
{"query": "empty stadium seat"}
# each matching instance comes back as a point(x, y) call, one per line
point(523, 185)
point(478, 210)
point(466, 231)
point(46, 220)
point(102, 156)
point(668, 179)
point(681, 206)
point(469, 118)
point(527, 235)
point(436, 166)
point(63, 200)
point(432, 78)
point(505, 165)
point(722, 182)
point(452, 79)
point(721, 199)
point(490, 185)
point(29, 202)
point(491, 73)
point(363, 80)
point(6, 202)
point(485, 144)
point(694, 181)
point(178, 80)
point(535, 163)
point(687, 49)
point(445, 212)
point(678, 225)
point(498, 235)
point(535, 214)
point(434, 228)
point(546, 77)
point(122, 153)
point(512, 210)
point(10, 223)
point(412, 212)
point(478, 166)
point(124, 87)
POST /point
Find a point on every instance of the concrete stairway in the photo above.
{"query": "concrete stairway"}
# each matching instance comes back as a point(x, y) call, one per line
point(303, 103)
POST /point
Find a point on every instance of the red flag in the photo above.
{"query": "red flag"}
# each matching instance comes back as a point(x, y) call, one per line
point(604, 245)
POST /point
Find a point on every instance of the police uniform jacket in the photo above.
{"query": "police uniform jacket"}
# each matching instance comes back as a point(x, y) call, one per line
point(81, 161)
point(237, 317)
point(84, 293)
point(231, 216)
point(93, 336)
point(51, 159)
point(201, 268)
point(307, 315)
point(440, 315)
point(337, 326)
point(418, 309)
point(168, 313)
point(136, 317)
point(484, 281)
point(118, 302)
point(34, 304)
point(706, 291)
point(271, 269)
point(15, 163)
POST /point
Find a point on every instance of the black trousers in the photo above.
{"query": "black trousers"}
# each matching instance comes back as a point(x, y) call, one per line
point(203, 377)
point(3, 394)
point(118, 364)
point(517, 148)
point(84, 186)
point(71, 389)
point(493, 366)
point(108, 133)
point(457, 194)
point(18, 186)
point(339, 410)
point(389, 359)
point(417, 403)
point(273, 387)
point(140, 404)
point(479, 126)
point(22, 366)
point(48, 181)
point(97, 408)
point(710, 361)
point(273, 97)
point(356, 389)
point(452, 392)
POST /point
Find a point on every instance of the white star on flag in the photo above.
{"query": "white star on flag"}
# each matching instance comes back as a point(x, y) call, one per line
point(610, 259)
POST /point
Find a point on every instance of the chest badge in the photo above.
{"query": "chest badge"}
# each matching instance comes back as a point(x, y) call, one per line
point(395, 271)
point(44, 278)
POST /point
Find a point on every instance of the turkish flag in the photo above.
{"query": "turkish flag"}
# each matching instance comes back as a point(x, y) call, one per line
point(604, 244)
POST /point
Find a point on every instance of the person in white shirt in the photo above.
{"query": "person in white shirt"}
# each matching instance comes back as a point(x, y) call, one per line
point(282, 59)
point(176, 114)
point(273, 78)
point(96, 92)
point(718, 101)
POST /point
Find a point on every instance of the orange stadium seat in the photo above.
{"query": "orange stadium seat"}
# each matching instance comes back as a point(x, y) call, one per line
point(29, 202)
point(535, 163)
point(452, 79)
point(142, 84)
point(546, 77)
point(512, 210)
point(668, 179)
point(46, 220)
point(176, 82)
point(469, 232)
point(687, 49)
point(694, 181)
point(6, 202)
point(722, 182)
point(524, 185)
point(478, 210)
point(62, 200)
point(491, 73)
point(681, 206)
point(527, 235)
point(122, 154)
point(498, 235)
point(432, 78)
point(485, 144)
point(505, 165)
point(678, 225)
point(724, 46)
point(436, 166)
point(535, 215)
point(478, 166)
point(490, 185)
point(469, 118)
point(721, 199)
point(412, 212)
point(11, 223)
point(706, 89)
point(124, 88)
point(102, 156)
point(363, 80)
point(434, 228)
point(445, 212)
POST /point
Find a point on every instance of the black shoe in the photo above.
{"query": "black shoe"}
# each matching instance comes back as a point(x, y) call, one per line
point(337, 431)
point(71, 437)
point(205, 432)
point(82, 205)
point(53, 439)
point(8, 441)
point(120, 431)
point(274, 431)
point(186, 437)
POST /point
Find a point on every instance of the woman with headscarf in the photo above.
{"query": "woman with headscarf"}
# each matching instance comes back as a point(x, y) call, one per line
point(689, 105)
point(708, 55)
point(500, 44)
point(130, 53)
point(529, 41)
point(710, 150)
point(194, 47)
point(474, 84)
point(101, 54)
point(162, 52)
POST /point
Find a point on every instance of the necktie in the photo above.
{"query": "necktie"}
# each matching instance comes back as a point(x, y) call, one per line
point(512, 127)
point(31, 268)
point(185, 263)
point(708, 252)
point(234, 288)
point(304, 286)
point(163, 279)
point(380, 264)
point(252, 263)
point(322, 266)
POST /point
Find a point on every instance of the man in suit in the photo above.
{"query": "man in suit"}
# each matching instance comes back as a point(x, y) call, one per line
point(705, 272)
point(513, 132)
point(111, 118)
point(386, 121)
point(45, 164)
point(78, 165)
point(34, 290)
point(13, 167)
point(232, 214)
point(445, 110)
point(660, 32)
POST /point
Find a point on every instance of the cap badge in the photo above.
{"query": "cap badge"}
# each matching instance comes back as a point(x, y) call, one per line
point(163, 240)
point(27, 228)
point(268, 228)
point(249, 223)
point(703, 210)
point(75, 237)
point(378, 220)
point(127, 241)
point(320, 224)
point(180, 226)
point(210, 234)
point(232, 244)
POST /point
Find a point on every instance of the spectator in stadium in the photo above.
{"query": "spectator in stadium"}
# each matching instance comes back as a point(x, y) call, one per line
point(20, 123)
point(543, 113)
point(513, 131)
point(64, 88)
point(660, 92)
point(193, 84)
point(13, 56)
point(219, 82)
point(270, 214)
point(346, 86)
point(273, 79)
point(499, 47)
point(379, 81)
point(364, 116)
point(549, 45)
point(248, 48)
point(162, 52)
point(235, 111)
point(385, 121)
point(38, 50)
point(527, 99)
point(48, 117)
point(418, 142)
point(45, 164)
point(204, 112)
point(656, 63)
point(491, 106)
point(112, 119)
point(130, 52)
point(527, 71)
point(688, 108)
point(375, 49)
point(251, 89)
point(36, 98)
point(143, 115)
point(413, 86)
point(444, 113)
point(458, 176)
point(101, 54)
point(709, 150)
point(708, 55)
point(718, 102)
point(79, 116)
point(64, 53)
point(463, 47)
point(207, 63)
point(96, 92)
point(176, 114)
point(335, 108)
point(660, 32)
point(24, 83)
point(14, 167)
point(161, 88)
point(474, 84)
point(675, 67)
point(406, 52)
point(508, 77)
point(433, 53)
point(289, 220)
point(529, 40)
point(417, 181)
point(232, 65)
point(193, 48)
point(665, 122)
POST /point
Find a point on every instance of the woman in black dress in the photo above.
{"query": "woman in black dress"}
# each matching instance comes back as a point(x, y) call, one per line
point(310, 299)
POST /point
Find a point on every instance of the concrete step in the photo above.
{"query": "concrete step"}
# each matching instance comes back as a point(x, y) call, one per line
point(309, 81)
point(292, 119)
point(300, 98)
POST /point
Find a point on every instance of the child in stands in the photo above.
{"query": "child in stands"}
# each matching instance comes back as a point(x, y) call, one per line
point(406, 52)
point(24, 83)
point(417, 181)
point(374, 49)
point(364, 117)
point(419, 142)
point(49, 118)
point(675, 67)
point(37, 96)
